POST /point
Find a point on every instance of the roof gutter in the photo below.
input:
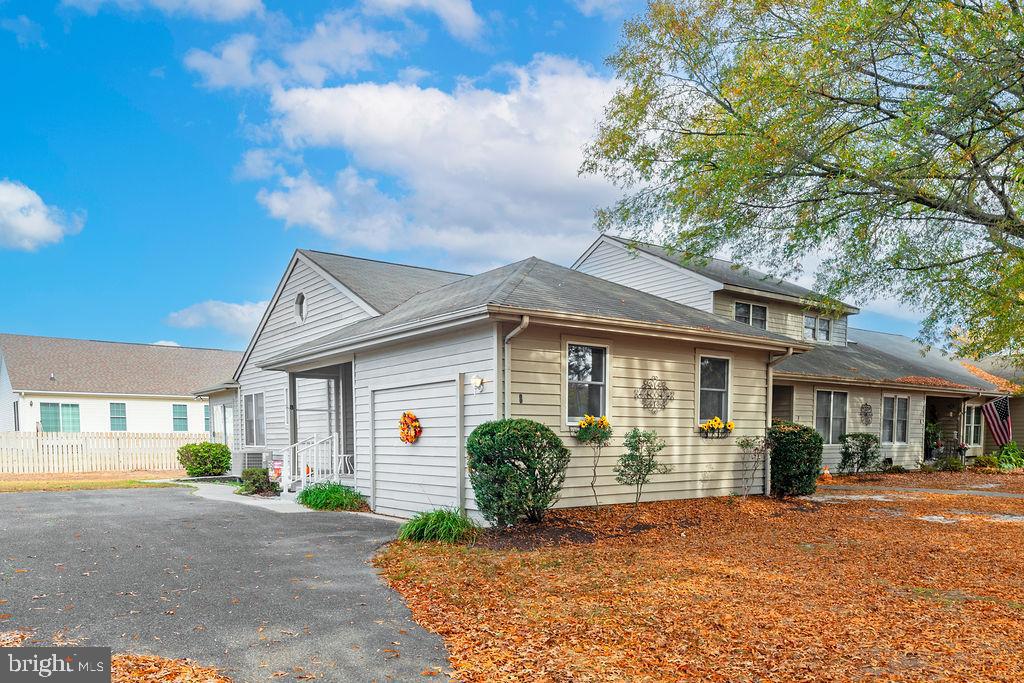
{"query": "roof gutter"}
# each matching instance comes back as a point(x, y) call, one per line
point(884, 384)
point(506, 358)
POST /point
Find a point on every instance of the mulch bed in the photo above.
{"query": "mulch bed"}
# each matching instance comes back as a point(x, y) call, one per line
point(1007, 482)
point(732, 590)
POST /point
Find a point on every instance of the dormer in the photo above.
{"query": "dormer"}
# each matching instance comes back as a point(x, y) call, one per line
point(719, 287)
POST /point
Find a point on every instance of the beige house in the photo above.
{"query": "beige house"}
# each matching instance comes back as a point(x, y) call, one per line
point(851, 380)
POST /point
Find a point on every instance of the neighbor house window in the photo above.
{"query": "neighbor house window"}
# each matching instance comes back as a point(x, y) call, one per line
point(972, 426)
point(586, 381)
point(830, 415)
point(17, 418)
point(206, 418)
point(895, 413)
point(752, 314)
point(118, 417)
point(179, 411)
point(59, 417)
point(714, 388)
point(255, 427)
point(818, 329)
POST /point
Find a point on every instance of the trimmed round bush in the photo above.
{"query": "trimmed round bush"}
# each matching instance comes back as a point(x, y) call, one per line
point(517, 468)
point(205, 459)
point(326, 495)
point(796, 458)
point(441, 525)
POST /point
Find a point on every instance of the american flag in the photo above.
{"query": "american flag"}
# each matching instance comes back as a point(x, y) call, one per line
point(997, 416)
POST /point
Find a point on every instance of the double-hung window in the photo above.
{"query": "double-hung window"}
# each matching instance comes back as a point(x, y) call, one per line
point(714, 388)
point(255, 427)
point(895, 415)
point(817, 329)
point(118, 417)
point(973, 434)
point(206, 418)
point(179, 414)
point(752, 314)
point(59, 417)
point(586, 381)
point(830, 414)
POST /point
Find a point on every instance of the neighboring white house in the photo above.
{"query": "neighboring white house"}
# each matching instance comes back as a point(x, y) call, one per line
point(852, 380)
point(50, 384)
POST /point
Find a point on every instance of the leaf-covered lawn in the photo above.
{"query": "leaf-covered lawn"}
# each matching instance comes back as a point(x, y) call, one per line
point(729, 589)
point(1006, 482)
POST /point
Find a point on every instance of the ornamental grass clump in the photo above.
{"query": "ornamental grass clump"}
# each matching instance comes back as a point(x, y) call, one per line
point(441, 525)
point(327, 495)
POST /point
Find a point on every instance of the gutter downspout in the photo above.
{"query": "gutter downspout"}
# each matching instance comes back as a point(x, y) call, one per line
point(507, 362)
point(770, 384)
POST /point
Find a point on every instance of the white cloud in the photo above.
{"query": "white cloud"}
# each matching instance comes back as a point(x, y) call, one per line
point(165, 342)
point(338, 44)
point(482, 172)
point(458, 16)
point(27, 32)
point(412, 74)
point(237, 319)
point(232, 67)
point(216, 10)
point(606, 8)
point(27, 223)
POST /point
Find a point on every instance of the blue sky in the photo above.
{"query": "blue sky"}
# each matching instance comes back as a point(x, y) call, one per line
point(161, 159)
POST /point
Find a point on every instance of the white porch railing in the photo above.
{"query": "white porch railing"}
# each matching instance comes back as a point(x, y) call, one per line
point(314, 460)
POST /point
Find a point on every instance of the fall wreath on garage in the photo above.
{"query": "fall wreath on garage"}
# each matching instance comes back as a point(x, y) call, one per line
point(409, 428)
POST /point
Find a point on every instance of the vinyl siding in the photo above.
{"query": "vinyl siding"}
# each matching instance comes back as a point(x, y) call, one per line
point(422, 476)
point(7, 399)
point(616, 263)
point(908, 455)
point(702, 467)
point(1017, 421)
point(148, 415)
point(328, 309)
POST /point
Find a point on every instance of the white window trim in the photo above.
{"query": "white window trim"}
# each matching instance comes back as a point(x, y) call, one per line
point(110, 414)
point(719, 355)
point(187, 421)
point(304, 307)
point(751, 304)
point(255, 431)
point(976, 408)
point(814, 411)
point(60, 415)
point(831, 327)
point(895, 412)
point(584, 341)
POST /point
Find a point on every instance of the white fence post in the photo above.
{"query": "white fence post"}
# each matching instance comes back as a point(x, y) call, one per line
point(59, 453)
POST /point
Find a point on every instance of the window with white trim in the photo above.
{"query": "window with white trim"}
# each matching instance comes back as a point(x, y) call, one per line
point(179, 415)
point(255, 426)
point(586, 381)
point(59, 417)
point(895, 419)
point(751, 314)
point(973, 430)
point(817, 328)
point(118, 417)
point(830, 414)
point(714, 389)
point(206, 417)
point(300, 307)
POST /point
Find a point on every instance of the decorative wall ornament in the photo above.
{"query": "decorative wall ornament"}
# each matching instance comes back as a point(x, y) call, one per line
point(866, 413)
point(409, 428)
point(654, 394)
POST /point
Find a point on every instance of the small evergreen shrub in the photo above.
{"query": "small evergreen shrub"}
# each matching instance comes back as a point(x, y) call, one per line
point(926, 468)
point(640, 460)
point(517, 468)
point(951, 463)
point(441, 525)
point(256, 482)
point(796, 458)
point(205, 459)
point(326, 495)
point(987, 461)
point(860, 452)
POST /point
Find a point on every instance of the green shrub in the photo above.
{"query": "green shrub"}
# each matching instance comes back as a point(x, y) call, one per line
point(1010, 456)
point(442, 525)
point(860, 452)
point(796, 458)
point(327, 495)
point(256, 482)
point(517, 468)
point(640, 460)
point(951, 463)
point(987, 461)
point(926, 468)
point(205, 459)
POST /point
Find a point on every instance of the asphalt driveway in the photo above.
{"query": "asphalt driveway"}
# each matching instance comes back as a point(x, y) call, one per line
point(162, 571)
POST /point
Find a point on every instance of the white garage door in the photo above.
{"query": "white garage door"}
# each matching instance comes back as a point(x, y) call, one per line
point(409, 478)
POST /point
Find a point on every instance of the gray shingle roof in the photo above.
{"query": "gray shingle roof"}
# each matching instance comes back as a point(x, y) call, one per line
point(102, 367)
point(535, 285)
point(382, 285)
point(1000, 366)
point(727, 272)
point(883, 357)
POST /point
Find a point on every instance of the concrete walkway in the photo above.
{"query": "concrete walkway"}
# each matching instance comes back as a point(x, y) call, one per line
point(226, 494)
point(944, 492)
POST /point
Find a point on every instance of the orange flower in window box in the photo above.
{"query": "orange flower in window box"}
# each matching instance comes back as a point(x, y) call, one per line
point(409, 428)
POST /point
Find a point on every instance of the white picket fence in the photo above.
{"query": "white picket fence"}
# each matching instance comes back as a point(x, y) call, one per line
point(51, 452)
